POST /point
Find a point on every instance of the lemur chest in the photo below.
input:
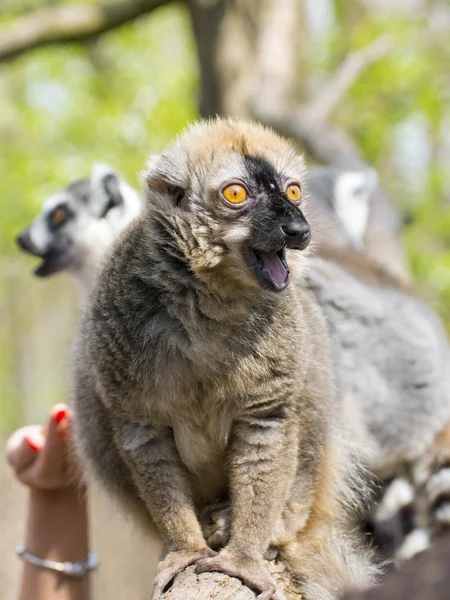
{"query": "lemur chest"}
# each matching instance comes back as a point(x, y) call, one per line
point(201, 440)
point(200, 448)
point(200, 397)
point(199, 412)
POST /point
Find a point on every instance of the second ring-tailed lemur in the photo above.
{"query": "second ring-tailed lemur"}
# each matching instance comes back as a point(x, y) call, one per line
point(340, 202)
point(78, 224)
point(414, 506)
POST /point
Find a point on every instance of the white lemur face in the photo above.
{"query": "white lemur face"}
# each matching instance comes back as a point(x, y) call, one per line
point(347, 194)
point(77, 225)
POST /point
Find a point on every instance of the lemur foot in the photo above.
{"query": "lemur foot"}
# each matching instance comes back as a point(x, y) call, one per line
point(216, 524)
point(271, 553)
point(252, 572)
point(174, 563)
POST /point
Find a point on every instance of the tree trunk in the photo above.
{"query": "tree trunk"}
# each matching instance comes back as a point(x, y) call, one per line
point(217, 586)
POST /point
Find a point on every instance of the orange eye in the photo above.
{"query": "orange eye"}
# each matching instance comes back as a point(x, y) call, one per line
point(58, 216)
point(294, 192)
point(235, 193)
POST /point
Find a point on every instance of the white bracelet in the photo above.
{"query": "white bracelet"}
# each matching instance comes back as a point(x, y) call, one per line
point(71, 569)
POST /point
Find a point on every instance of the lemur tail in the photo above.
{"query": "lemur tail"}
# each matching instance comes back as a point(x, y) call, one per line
point(395, 518)
point(437, 487)
point(415, 510)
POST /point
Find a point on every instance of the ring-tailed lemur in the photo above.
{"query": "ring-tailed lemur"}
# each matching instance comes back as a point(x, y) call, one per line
point(78, 224)
point(415, 508)
point(340, 201)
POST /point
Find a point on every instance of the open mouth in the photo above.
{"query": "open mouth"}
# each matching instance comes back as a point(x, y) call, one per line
point(48, 264)
point(52, 262)
point(271, 269)
point(42, 270)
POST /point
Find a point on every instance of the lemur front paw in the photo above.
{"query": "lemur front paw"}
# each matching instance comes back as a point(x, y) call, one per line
point(252, 572)
point(174, 563)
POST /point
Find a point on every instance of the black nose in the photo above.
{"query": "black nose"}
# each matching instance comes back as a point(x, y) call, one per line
point(23, 240)
point(297, 235)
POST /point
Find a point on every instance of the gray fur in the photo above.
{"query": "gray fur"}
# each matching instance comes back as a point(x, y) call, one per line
point(393, 356)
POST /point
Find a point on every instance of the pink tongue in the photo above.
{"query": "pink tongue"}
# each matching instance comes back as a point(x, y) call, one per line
point(274, 267)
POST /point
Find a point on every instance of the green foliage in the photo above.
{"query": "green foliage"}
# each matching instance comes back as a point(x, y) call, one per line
point(409, 87)
point(61, 109)
point(116, 99)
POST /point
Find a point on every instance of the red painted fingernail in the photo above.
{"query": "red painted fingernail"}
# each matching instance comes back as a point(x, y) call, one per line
point(60, 415)
point(32, 444)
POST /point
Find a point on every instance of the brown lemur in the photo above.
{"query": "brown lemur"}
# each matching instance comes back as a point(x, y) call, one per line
point(200, 373)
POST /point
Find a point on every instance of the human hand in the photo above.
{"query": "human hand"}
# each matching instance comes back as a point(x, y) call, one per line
point(43, 458)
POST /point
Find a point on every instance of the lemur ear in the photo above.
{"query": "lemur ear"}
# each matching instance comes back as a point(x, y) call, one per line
point(105, 189)
point(166, 175)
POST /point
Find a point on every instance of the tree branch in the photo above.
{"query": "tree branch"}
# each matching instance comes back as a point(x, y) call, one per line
point(345, 76)
point(217, 586)
point(65, 23)
point(276, 50)
point(308, 124)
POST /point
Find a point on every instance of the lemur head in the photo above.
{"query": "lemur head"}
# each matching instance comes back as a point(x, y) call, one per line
point(226, 198)
point(345, 194)
point(77, 224)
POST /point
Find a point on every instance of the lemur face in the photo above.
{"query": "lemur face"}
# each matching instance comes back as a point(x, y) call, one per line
point(52, 235)
point(236, 201)
point(77, 224)
point(344, 195)
point(268, 205)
